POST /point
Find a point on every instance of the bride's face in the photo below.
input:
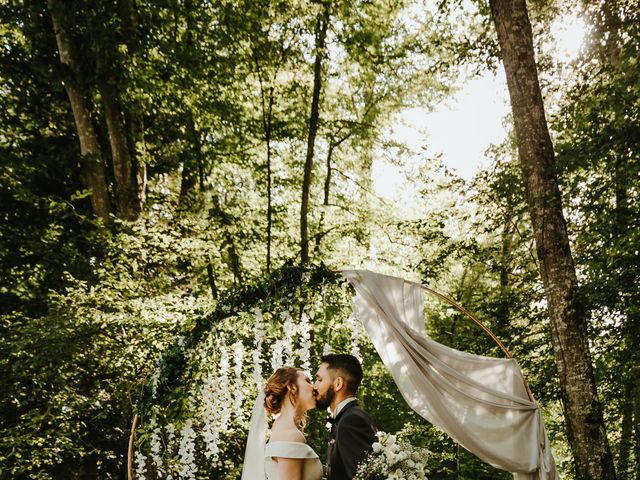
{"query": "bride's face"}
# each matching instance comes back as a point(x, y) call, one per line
point(305, 400)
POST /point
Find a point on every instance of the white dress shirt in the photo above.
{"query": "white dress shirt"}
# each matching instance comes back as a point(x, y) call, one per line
point(341, 405)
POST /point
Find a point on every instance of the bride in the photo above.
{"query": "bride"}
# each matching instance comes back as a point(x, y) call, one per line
point(286, 456)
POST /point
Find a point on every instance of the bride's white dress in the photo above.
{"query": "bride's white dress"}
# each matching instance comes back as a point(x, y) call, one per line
point(311, 469)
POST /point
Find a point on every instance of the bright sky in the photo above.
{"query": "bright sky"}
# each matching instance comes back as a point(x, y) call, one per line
point(461, 128)
point(464, 126)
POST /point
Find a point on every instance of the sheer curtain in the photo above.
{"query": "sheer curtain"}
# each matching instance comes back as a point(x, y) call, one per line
point(481, 402)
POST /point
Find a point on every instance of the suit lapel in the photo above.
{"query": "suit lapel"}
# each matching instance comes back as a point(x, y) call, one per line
point(344, 409)
point(331, 451)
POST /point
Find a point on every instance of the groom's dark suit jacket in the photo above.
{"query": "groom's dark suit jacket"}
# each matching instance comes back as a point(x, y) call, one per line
point(351, 437)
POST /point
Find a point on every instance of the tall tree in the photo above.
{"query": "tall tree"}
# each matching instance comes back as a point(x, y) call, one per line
point(267, 97)
point(127, 204)
point(92, 161)
point(106, 32)
point(585, 423)
point(275, 53)
point(322, 24)
point(133, 113)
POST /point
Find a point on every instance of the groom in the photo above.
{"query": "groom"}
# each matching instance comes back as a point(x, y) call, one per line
point(352, 430)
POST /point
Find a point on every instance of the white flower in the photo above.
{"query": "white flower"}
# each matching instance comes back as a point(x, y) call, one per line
point(216, 394)
point(156, 445)
point(141, 465)
point(305, 342)
point(210, 430)
point(186, 451)
point(238, 355)
point(276, 355)
point(171, 432)
point(155, 379)
point(354, 327)
point(289, 332)
point(224, 389)
point(393, 459)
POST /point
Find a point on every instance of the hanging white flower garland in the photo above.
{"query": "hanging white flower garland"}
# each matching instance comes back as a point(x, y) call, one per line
point(287, 339)
point(354, 327)
point(155, 446)
point(238, 391)
point(187, 451)
point(277, 360)
point(140, 464)
point(305, 342)
point(258, 334)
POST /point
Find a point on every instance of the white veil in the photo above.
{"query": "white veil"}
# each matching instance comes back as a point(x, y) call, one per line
point(253, 467)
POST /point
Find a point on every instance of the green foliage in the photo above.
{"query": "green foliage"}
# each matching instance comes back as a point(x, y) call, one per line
point(88, 313)
point(85, 354)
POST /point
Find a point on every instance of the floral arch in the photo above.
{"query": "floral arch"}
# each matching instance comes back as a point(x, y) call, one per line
point(194, 411)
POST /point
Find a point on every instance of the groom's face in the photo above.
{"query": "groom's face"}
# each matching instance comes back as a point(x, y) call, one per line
point(323, 390)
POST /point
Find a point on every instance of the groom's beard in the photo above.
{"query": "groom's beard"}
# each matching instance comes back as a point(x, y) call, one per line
point(323, 402)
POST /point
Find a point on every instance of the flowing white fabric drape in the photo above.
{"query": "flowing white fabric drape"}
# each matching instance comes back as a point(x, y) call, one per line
point(481, 402)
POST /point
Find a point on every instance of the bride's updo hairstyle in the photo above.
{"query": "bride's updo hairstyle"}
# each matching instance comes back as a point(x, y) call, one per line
point(281, 382)
point(284, 380)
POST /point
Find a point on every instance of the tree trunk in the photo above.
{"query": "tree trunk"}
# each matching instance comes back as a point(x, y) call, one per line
point(267, 117)
point(133, 113)
point(325, 202)
point(267, 121)
point(129, 19)
point(626, 434)
point(321, 34)
point(212, 280)
point(267, 101)
point(636, 431)
point(585, 424)
point(93, 169)
point(126, 190)
point(502, 314)
point(228, 243)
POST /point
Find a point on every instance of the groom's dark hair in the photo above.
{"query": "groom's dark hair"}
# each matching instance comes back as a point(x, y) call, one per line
point(347, 367)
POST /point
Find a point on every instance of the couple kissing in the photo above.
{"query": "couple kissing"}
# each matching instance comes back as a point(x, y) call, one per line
point(289, 394)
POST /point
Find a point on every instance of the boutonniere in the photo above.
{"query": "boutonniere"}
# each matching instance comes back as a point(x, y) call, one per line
point(330, 423)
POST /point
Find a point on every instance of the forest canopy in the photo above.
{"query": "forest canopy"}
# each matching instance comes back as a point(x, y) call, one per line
point(180, 180)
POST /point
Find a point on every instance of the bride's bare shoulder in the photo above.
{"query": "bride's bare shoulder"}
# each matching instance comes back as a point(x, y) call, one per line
point(287, 435)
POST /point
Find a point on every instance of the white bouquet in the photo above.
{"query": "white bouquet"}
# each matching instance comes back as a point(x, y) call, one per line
point(393, 459)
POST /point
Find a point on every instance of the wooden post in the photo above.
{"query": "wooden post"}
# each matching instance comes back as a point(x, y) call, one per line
point(132, 438)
